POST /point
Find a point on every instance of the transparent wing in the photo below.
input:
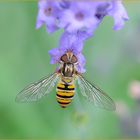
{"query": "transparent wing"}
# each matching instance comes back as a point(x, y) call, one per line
point(95, 95)
point(37, 90)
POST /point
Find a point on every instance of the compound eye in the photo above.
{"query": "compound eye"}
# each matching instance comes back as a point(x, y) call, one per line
point(74, 59)
point(64, 58)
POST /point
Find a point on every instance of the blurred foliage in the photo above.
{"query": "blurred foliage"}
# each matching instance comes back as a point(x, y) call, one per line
point(113, 60)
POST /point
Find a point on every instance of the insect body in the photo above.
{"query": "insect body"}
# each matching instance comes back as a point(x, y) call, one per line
point(65, 93)
point(65, 87)
point(65, 78)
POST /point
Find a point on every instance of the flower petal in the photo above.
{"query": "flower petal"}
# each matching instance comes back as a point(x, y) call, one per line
point(81, 63)
point(119, 14)
point(55, 55)
point(71, 42)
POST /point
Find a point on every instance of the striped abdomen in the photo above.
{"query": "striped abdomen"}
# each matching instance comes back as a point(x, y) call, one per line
point(64, 94)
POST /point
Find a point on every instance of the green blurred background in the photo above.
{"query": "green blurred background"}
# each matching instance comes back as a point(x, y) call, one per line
point(113, 61)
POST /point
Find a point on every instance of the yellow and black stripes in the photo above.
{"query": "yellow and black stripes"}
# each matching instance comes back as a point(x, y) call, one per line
point(65, 94)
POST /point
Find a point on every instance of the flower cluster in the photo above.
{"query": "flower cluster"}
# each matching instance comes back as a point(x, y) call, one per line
point(78, 19)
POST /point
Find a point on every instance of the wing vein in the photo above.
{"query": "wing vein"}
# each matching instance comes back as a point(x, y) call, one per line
point(95, 94)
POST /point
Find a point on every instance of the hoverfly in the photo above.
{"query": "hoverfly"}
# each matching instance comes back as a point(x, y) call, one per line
point(65, 78)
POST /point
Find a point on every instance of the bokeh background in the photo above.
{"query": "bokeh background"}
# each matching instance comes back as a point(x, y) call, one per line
point(113, 63)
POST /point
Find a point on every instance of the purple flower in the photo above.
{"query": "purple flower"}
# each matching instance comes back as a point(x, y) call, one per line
point(47, 14)
point(78, 17)
point(119, 14)
point(69, 42)
point(79, 20)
